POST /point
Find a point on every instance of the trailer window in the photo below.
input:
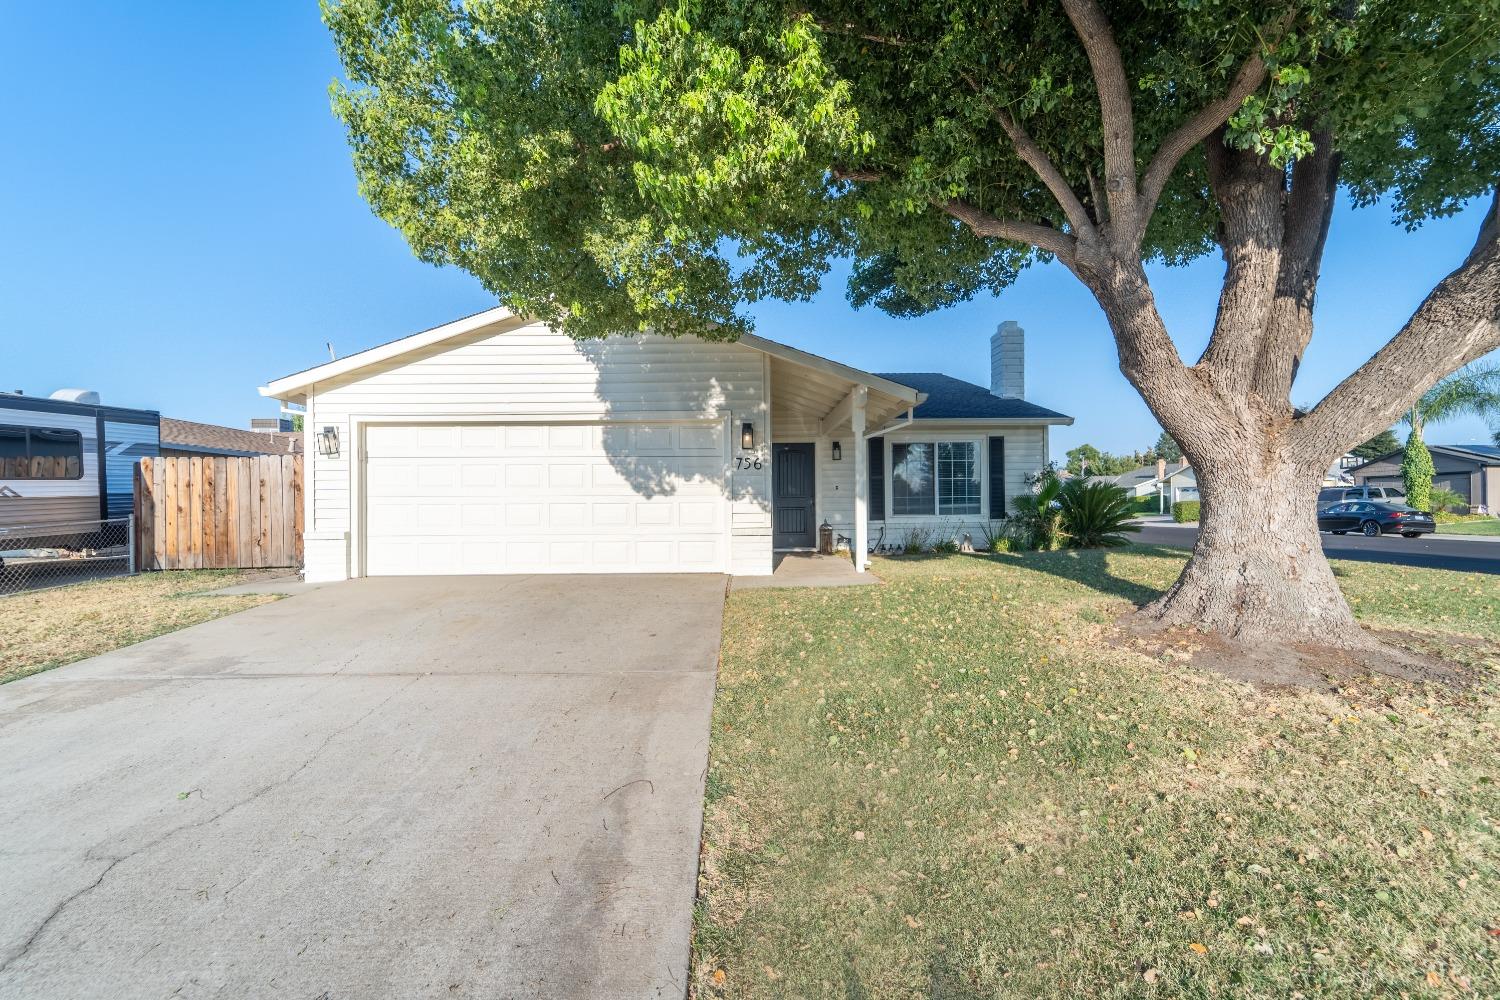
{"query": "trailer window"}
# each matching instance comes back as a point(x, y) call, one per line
point(40, 453)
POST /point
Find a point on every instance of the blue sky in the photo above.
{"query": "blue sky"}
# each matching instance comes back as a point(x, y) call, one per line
point(181, 224)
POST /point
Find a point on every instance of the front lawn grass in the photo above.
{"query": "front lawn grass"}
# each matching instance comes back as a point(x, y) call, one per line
point(953, 786)
point(48, 628)
point(1478, 526)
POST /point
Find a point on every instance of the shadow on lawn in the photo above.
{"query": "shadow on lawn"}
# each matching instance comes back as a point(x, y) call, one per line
point(1090, 567)
point(945, 981)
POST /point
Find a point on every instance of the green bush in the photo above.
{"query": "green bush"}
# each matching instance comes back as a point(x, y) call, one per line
point(1184, 511)
point(1037, 521)
point(1416, 472)
point(1095, 514)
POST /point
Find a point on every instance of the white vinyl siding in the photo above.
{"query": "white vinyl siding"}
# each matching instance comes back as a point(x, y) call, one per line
point(534, 375)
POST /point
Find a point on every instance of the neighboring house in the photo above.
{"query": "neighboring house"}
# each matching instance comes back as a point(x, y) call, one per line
point(1178, 483)
point(188, 437)
point(494, 445)
point(1470, 470)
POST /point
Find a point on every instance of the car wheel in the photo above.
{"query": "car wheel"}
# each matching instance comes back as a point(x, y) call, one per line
point(1341, 532)
point(1370, 528)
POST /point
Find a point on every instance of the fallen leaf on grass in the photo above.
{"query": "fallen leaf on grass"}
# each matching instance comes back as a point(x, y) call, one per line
point(913, 922)
point(1198, 948)
point(718, 977)
point(1149, 975)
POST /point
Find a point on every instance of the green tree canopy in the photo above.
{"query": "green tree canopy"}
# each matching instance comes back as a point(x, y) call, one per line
point(1167, 448)
point(628, 164)
point(1381, 444)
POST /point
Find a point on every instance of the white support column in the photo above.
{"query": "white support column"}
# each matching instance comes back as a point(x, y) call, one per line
point(861, 481)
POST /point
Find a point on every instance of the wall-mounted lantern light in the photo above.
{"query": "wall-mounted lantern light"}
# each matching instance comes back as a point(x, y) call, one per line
point(838, 453)
point(328, 442)
point(747, 435)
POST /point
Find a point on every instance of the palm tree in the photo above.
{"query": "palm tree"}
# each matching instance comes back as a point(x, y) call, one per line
point(1472, 391)
point(1469, 392)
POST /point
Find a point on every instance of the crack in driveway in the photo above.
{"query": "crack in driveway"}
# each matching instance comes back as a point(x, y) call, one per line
point(57, 911)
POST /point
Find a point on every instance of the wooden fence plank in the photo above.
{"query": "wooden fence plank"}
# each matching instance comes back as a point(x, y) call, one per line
point(144, 519)
point(163, 503)
point(231, 512)
point(299, 509)
point(277, 487)
point(173, 494)
point(263, 509)
point(207, 553)
point(225, 524)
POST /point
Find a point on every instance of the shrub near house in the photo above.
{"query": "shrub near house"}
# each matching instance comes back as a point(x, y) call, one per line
point(1185, 511)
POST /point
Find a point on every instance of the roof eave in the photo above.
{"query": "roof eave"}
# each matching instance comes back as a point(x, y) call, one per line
point(293, 388)
point(1055, 421)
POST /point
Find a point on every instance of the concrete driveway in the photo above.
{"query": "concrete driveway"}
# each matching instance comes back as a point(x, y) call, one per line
point(451, 787)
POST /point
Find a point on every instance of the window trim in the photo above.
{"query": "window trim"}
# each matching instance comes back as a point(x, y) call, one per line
point(981, 469)
point(27, 430)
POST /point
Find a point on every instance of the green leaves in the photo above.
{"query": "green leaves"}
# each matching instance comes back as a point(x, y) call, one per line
point(611, 165)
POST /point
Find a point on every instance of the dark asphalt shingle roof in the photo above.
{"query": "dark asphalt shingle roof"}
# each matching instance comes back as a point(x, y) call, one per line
point(949, 398)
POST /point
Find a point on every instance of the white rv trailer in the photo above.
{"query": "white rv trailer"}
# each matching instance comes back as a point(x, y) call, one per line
point(66, 462)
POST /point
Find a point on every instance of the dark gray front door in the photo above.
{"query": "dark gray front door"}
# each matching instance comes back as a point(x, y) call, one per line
point(794, 505)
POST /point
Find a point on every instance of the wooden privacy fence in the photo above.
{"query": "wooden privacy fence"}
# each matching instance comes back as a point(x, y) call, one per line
point(213, 512)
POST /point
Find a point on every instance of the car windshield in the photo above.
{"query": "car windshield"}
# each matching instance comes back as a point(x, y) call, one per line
point(1327, 495)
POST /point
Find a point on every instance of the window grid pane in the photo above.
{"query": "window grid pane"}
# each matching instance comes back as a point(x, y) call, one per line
point(911, 479)
point(958, 478)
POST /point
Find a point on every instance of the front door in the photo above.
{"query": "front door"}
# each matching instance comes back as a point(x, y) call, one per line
point(794, 508)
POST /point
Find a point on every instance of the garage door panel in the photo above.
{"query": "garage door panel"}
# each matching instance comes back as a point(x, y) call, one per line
point(534, 498)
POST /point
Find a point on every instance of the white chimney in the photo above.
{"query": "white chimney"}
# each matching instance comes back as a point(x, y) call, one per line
point(1008, 360)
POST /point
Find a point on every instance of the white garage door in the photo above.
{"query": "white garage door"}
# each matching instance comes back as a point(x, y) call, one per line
point(533, 498)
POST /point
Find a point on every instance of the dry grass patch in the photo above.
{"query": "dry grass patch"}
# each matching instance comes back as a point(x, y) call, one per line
point(49, 628)
point(951, 786)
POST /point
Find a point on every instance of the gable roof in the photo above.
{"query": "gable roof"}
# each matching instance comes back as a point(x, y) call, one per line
point(295, 385)
point(949, 398)
point(213, 439)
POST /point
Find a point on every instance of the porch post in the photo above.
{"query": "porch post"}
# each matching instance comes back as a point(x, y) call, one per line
point(861, 481)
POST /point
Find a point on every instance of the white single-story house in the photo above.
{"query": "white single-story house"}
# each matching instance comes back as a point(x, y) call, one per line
point(1177, 483)
point(494, 445)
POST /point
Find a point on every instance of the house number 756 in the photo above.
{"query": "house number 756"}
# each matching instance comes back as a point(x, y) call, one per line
point(748, 462)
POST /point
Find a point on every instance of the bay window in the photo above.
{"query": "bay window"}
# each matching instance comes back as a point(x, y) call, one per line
point(934, 477)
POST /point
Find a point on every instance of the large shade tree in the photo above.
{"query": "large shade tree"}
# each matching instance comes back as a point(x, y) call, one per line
point(624, 165)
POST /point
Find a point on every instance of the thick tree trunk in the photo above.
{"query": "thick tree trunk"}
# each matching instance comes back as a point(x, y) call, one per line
point(1258, 571)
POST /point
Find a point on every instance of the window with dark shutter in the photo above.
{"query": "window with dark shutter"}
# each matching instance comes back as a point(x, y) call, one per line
point(877, 479)
point(997, 478)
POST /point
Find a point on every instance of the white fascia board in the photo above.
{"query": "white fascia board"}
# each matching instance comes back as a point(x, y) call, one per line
point(294, 387)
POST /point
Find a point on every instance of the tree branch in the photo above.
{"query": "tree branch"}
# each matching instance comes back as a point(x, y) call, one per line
point(1309, 210)
point(1200, 126)
point(1458, 322)
point(1046, 170)
point(1041, 164)
point(1060, 244)
point(1115, 112)
point(855, 174)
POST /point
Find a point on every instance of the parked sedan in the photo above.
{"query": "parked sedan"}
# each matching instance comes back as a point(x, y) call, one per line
point(1373, 517)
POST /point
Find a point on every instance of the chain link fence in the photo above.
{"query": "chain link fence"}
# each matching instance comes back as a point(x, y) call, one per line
point(38, 556)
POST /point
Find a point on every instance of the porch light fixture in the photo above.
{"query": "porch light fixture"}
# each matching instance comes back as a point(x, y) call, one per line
point(747, 435)
point(328, 442)
point(838, 453)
